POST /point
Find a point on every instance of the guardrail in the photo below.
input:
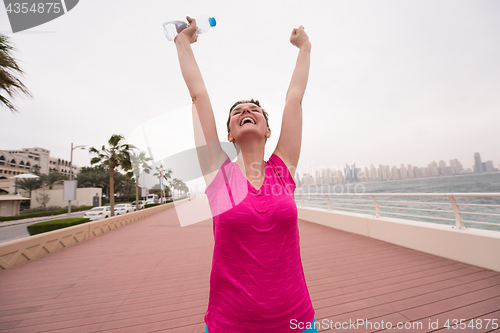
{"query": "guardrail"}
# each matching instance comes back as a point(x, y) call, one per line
point(26, 249)
point(426, 202)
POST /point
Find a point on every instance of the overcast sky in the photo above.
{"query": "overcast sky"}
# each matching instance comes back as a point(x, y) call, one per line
point(391, 82)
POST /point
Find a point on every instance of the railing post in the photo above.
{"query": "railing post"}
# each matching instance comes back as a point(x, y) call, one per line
point(329, 203)
point(302, 200)
point(377, 208)
point(459, 223)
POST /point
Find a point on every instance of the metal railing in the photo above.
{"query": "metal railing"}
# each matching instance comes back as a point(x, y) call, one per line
point(432, 206)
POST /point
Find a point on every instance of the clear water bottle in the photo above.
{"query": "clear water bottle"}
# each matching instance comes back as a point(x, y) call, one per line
point(173, 28)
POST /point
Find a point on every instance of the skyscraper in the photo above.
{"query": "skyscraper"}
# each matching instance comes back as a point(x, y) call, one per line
point(395, 173)
point(373, 173)
point(411, 174)
point(457, 166)
point(478, 166)
point(403, 172)
point(432, 169)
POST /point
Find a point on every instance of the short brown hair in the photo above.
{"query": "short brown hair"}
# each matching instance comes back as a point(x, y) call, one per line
point(256, 102)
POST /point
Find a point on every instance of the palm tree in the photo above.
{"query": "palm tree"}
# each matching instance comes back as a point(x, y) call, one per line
point(53, 178)
point(117, 156)
point(162, 174)
point(178, 184)
point(139, 165)
point(93, 178)
point(8, 70)
point(29, 184)
point(119, 181)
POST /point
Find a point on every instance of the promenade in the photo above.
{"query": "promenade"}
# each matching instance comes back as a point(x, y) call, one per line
point(153, 276)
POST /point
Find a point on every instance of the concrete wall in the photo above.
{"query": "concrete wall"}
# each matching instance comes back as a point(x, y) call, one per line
point(472, 246)
point(84, 197)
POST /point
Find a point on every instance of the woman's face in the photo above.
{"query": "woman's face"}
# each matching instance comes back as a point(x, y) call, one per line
point(246, 122)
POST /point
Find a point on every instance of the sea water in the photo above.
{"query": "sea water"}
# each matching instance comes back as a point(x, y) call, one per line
point(471, 183)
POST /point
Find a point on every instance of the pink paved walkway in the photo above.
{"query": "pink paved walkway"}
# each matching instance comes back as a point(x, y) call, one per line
point(153, 276)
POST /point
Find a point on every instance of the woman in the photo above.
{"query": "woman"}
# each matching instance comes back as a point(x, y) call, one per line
point(257, 281)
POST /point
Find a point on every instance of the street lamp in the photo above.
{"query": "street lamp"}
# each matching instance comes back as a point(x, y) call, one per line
point(71, 170)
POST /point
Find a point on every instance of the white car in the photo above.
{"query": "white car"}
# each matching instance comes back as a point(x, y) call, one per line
point(121, 209)
point(141, 204)
point(98, 213)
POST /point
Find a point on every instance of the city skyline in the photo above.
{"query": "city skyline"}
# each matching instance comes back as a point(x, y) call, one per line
point(353, 174)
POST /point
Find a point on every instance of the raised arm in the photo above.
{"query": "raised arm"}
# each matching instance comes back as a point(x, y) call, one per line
point(210, 154)
point(288, 148)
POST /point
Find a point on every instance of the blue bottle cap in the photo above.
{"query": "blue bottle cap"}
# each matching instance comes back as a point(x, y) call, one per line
point(212, 22)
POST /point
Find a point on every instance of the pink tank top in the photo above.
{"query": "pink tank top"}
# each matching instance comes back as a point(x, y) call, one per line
point(257, 282)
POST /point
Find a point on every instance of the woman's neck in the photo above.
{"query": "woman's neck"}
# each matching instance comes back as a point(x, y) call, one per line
point(251, 162)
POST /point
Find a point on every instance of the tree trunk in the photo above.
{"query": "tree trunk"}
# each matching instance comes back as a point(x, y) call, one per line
point(112, 190)
point(161, 191)
point(136, 195)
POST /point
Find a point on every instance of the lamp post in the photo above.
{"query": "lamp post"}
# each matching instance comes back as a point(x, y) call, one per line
point(71, 170)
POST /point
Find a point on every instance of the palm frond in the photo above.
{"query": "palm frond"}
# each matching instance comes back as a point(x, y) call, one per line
point(8, 71)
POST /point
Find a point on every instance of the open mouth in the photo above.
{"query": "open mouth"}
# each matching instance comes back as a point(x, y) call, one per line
point(247, 120)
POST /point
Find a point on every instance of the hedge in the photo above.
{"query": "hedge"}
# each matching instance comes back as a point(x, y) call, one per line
point(151, 205)
point(41, 214)
point(156, 204)
point(47, 226)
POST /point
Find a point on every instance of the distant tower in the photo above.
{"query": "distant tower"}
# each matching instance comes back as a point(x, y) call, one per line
point(403, 172)
point(411, 174)
point(442, 168)
point(478, 166)
point(457, 166)
point(395, 173)
point(354, 173)
point(297, 179)
point(348, 175)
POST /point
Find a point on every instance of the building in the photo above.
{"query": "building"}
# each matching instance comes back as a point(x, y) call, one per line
point(351, 173)
point(373, 173)
point(422, 172)
point(478, 166)
point(382, 174)
point(395, 173)
point(325, 177)
point(307, 179)
point(488, 166)
point(31, 160)
point(416, 172)
point(432, 169)
point(403, 172)
point(411, 173)
point(457, 166)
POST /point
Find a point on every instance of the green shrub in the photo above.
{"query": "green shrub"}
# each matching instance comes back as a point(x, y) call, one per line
point(151, 205)
point(41, 209)
point(41, 214)
point(47, 226)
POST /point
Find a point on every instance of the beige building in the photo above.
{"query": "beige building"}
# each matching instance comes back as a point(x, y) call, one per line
point(30, 160)
point(10, 204)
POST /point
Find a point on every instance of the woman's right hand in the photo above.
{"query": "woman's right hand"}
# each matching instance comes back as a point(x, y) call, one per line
point(189, 33)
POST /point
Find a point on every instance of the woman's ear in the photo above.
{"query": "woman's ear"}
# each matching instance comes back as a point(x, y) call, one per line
point(268, 133)
point(230, 137)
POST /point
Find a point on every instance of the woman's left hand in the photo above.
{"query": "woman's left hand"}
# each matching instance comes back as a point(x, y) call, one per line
point(299, 37)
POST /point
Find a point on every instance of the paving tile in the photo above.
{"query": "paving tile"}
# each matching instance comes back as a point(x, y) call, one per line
point(153, 276)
